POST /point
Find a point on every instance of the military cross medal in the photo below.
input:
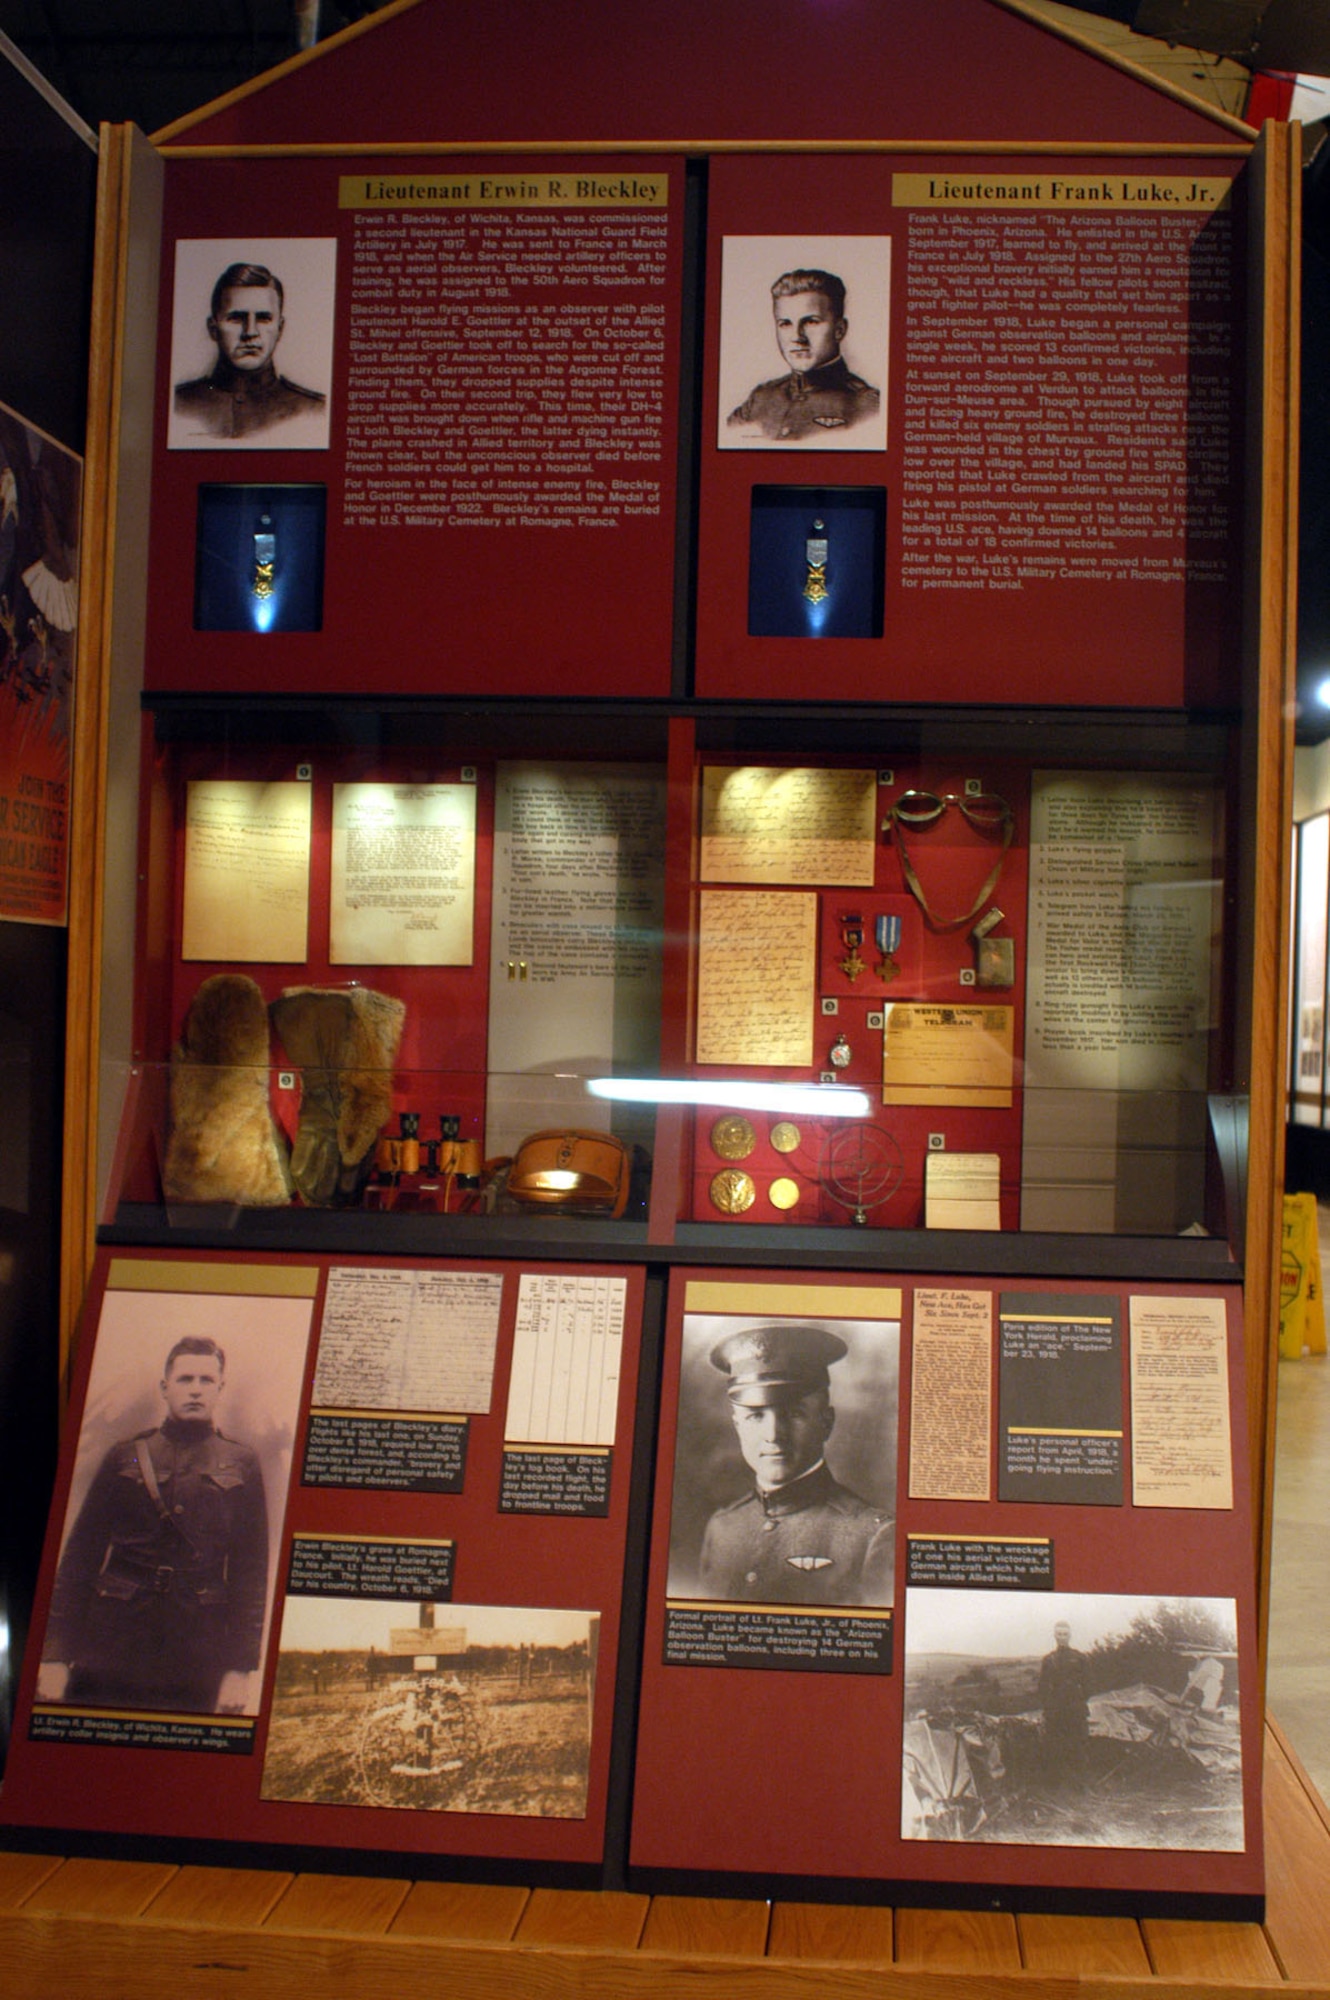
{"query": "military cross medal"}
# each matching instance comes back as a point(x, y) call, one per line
point(887, 931)
point(852, 936)
point(815, 554)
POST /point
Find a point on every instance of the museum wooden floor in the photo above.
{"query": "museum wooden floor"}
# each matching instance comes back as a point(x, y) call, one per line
point(75, 1928)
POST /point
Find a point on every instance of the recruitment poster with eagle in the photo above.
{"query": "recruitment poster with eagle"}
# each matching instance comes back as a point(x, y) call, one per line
point(40, 486)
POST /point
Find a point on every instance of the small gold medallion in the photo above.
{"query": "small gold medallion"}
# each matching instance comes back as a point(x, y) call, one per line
point(785, 1136)
point(784, 1193)
point(733, 1138)
point(733, 1191)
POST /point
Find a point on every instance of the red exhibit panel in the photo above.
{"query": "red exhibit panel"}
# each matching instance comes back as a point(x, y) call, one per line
point(688, 69)
point(975, 1555)
point(450, 394)
point(336, 1558)
point(1031, 368)
point(821, 961)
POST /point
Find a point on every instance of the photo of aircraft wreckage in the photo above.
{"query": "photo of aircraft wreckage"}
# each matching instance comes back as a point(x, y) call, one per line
point(1038, 1749)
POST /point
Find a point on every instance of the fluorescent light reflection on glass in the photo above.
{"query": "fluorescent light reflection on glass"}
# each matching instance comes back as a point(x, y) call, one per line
point(1323, 692)
point(813, 1100)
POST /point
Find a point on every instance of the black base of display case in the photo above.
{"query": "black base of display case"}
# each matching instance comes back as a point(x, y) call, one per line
point(360, 1233)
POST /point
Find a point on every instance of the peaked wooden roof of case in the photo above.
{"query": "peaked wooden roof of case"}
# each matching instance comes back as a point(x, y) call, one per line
point(691, 75)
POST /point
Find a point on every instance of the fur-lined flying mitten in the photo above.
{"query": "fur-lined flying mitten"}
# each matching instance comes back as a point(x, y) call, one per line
point(224, 1143)
point(344, 1040)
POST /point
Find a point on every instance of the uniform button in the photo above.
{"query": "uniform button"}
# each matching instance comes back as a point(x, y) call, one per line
point(751, 1576)
point(768, 1527)
point(179, 1510)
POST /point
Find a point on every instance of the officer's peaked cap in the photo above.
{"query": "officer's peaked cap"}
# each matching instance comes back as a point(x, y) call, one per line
point(777, 1363)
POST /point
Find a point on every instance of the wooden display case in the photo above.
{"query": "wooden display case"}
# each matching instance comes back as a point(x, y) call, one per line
point(1104, 591)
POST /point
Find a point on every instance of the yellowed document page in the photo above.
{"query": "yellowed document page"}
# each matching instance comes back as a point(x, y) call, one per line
point(765, 824)
point(961, 1191)
point(246, 871)
point(1181, 1445)
point(951, 1396)
point(947, 1055)
point(756, 977)
point(408, 1340)
point(403, 874)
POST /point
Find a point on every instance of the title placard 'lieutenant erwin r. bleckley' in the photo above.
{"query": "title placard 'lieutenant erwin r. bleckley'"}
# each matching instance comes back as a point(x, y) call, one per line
point(799, 1537)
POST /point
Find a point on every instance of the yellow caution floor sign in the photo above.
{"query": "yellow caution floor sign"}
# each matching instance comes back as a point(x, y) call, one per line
point(1301, 1307)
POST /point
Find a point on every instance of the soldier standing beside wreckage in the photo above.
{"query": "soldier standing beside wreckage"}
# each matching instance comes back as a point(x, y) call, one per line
point(1064, 1690)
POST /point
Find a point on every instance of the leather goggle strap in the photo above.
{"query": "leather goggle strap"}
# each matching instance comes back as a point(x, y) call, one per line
point(916, 887)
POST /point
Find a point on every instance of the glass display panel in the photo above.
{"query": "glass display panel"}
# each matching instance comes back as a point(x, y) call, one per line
point(966, 991)
point(1308, 1036)
point(258, 559)
point(816, 562)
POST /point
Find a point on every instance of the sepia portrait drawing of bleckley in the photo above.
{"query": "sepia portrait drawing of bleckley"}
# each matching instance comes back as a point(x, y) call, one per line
point(244, 392)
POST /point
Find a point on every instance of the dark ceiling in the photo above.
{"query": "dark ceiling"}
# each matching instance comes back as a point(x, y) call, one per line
point(152, 61)
point(1288, 35)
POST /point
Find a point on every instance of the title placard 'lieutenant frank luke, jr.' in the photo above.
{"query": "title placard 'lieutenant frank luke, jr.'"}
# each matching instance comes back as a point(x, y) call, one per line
point(799, 1537)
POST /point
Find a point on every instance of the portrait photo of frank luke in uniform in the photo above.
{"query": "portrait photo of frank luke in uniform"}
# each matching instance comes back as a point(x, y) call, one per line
point(797, 1533)
point(160, 1593)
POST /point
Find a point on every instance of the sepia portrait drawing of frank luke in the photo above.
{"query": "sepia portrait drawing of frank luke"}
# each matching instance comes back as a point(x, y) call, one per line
point(819, 309)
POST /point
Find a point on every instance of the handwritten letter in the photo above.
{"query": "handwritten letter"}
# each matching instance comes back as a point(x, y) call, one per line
point(763, 824)
point(408, 1340)
point(756, 977)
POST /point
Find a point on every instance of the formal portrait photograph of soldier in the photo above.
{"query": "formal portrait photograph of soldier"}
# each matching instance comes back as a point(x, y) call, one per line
point(164, 1584)
point(251, 343)
point(785, 1464)
point(1064, 1718)
point(803, 343)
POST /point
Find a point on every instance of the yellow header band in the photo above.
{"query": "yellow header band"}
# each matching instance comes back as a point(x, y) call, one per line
point(260, 1281)
point(516, 190)
point(1175, 191)
point(708, 1295)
